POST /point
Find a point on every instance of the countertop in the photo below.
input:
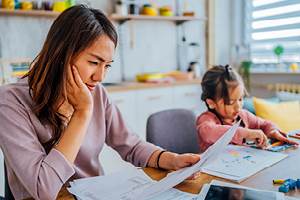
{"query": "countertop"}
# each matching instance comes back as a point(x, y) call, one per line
point(132, 85)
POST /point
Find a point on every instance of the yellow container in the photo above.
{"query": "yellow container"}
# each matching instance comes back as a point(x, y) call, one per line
point(144, 77)
point(149, 10)
point(8, 4)
point(59, 6)
point(26, 5)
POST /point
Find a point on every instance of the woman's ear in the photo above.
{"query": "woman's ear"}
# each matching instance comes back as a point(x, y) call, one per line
point(211, 104)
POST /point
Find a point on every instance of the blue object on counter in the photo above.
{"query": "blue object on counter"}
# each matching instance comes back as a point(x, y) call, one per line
point(284, 188)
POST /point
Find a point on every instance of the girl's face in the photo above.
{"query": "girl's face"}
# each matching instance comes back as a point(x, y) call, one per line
point(231, 111)
point(93, 62)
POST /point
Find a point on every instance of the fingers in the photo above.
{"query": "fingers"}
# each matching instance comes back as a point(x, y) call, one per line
point(283, 139)
point(261, 139)
point(78, 80)
point(195, 175)
point(191, 159)
point(70, 76)
point(278, 135)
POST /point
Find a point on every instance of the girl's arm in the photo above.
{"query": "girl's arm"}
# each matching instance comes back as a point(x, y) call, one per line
point(270, 129)
point(210, 129)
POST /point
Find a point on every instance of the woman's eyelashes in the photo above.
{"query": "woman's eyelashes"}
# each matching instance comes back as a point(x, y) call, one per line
point(96, 63)
point(93, 63)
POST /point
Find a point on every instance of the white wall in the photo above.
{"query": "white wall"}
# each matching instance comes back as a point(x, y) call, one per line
point(154, 41)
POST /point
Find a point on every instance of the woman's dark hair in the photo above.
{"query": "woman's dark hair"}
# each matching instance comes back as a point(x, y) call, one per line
point(217, 81)
point(74, 30)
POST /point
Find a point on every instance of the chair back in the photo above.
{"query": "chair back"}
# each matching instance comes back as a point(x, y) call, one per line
point(8, 194)
point(174, 130)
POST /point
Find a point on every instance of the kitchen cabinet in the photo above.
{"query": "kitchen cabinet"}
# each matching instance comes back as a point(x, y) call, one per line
point(189, 97)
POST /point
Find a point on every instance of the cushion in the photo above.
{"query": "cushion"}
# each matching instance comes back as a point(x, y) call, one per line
point(285, 114)
point(287, 96)
point(249, 105)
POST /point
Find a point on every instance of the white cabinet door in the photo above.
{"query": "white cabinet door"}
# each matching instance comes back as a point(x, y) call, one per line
point(111, 161)
point(189, 97)
point(150, 101)
point(126, 102)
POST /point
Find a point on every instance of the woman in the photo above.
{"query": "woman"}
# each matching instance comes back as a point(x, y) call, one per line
point(55, 121)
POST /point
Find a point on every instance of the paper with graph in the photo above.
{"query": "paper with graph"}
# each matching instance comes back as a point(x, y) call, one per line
point(237, 163)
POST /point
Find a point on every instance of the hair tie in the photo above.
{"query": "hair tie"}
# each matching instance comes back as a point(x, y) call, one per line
point(157, 161)
point(227, 68)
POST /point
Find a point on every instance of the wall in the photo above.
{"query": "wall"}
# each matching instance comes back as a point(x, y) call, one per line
point(155, 42)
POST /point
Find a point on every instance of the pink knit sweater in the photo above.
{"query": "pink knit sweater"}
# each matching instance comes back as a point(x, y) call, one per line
point(32, 172)
point(210, 128)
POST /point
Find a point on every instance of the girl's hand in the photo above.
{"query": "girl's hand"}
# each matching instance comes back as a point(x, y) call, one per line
point(78, 94)
point(186, 160)
point(276, 134)
point(256, 136)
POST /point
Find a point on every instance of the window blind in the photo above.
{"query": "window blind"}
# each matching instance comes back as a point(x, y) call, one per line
point(270, 23)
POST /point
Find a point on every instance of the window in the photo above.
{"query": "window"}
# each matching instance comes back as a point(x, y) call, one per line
point(270, 23)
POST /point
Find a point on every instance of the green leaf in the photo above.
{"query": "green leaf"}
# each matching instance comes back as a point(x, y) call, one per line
point(278, 50)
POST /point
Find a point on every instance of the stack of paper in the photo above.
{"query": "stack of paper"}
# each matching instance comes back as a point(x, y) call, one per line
point(136, 185)
point(123, 184)
point(237, 163)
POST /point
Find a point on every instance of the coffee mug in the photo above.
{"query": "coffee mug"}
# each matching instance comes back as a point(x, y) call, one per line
point(46, 5)
point(59, 6)
point(35, 5)
point(8, 4)
point(26, 5)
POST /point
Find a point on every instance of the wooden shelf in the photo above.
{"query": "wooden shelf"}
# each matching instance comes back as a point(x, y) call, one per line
point(148, 17)
point(29, 13)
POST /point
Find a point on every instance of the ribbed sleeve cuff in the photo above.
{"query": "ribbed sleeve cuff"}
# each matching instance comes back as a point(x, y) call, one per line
point(60, 164)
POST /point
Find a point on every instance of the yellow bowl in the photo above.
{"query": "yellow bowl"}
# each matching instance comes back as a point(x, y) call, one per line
point(149, 10)
point(144, 77)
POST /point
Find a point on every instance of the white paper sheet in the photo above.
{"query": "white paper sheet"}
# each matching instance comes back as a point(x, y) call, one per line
point(178, 176)
point(124, 184)
point(239, 162)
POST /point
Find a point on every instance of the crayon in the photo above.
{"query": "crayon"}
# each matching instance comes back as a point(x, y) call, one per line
point(278, 181)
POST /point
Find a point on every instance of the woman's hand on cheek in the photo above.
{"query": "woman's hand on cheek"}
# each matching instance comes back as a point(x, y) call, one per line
point(187, 160)
point(78, 94)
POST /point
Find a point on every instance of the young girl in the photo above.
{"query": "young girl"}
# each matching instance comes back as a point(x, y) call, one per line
point(55, 121)
point(223, 92)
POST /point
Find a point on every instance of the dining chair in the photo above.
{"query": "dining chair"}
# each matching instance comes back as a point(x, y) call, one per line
point(8, 195)
point(174, 130)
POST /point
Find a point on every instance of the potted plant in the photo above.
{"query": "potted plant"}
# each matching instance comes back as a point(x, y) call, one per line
point(278, 50)
point(244, 71)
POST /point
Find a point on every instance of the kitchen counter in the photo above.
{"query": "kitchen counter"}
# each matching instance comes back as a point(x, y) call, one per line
point(132, 85)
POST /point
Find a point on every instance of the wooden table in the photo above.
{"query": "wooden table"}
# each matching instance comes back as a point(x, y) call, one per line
point(287, 168)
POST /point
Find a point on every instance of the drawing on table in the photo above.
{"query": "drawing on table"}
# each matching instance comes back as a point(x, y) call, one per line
point(237, 161)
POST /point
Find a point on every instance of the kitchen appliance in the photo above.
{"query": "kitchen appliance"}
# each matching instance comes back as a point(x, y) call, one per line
point(194, 56)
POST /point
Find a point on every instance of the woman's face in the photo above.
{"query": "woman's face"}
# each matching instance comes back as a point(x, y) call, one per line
point(93, 62)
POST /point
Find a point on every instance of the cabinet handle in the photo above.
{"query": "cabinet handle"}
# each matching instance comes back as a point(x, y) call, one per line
point(192, 108)
point(190, 93)
point(156, 97)
point(119, 101)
